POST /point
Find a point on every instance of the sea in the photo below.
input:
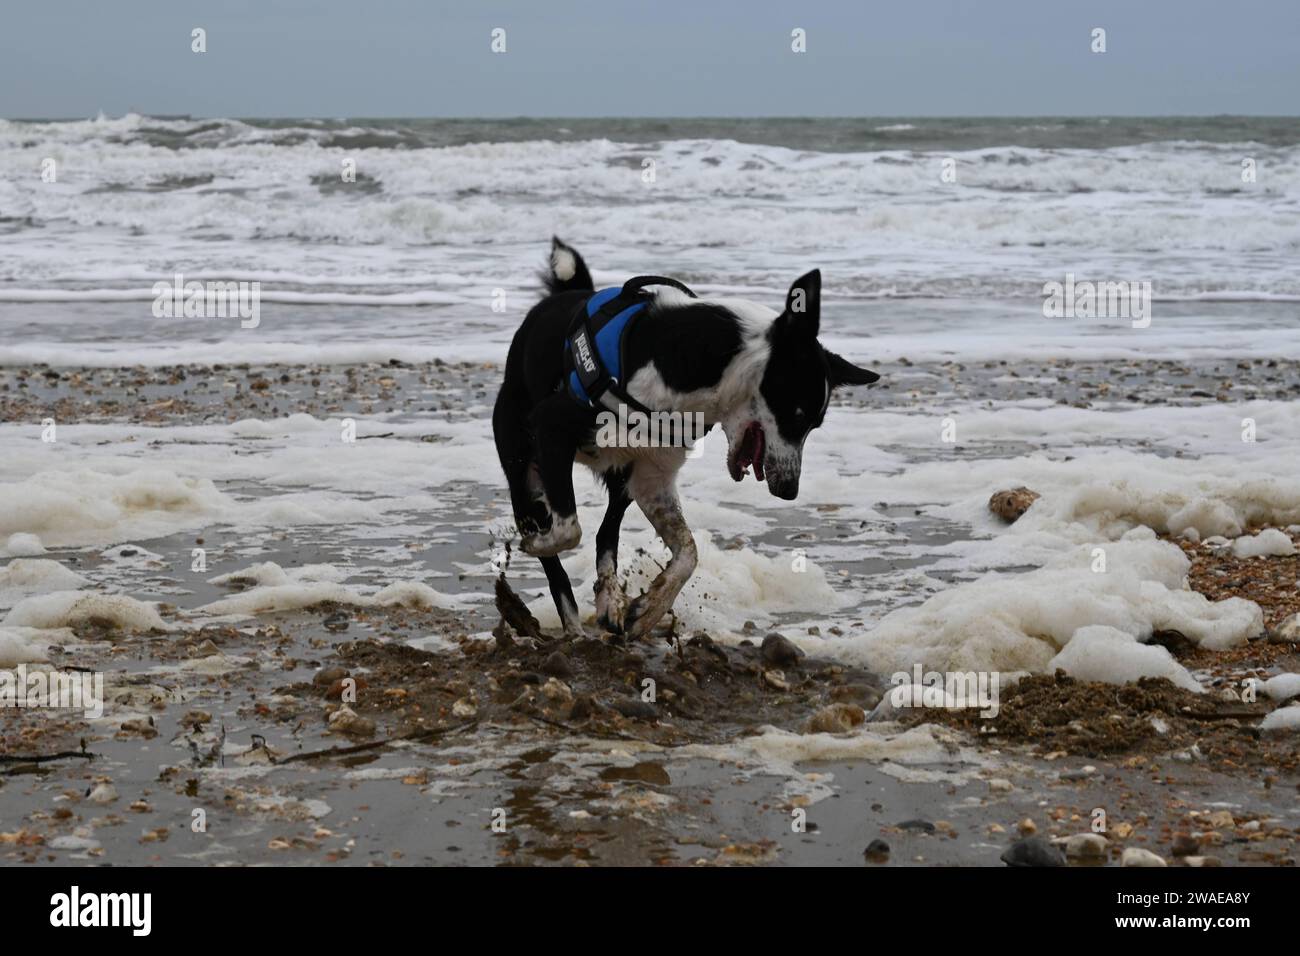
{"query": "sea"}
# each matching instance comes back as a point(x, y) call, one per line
point(422, 237)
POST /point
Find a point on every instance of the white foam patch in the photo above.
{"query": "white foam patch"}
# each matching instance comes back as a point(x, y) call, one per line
point(1100, 653)
point(61, 609)
point(24, 577)
point(82, 507)
point(1267, 544)
point(904, 755)
point(22, 545)
point(270, 574)
point(1284, 718)
point(27, 645)
point(1281, 687)
point(1170, 504)
point(1020, 622)
point(278, 589)
point(728, 588)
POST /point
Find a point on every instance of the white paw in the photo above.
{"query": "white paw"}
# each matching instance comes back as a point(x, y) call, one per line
point(611, 603)
point(564, 535)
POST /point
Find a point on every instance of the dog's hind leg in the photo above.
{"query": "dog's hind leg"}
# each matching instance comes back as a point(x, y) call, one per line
point(562, 594)
point(611, 600)
point(653, 487)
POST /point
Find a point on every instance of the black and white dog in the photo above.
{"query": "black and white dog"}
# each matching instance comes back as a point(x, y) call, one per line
point(761, 375)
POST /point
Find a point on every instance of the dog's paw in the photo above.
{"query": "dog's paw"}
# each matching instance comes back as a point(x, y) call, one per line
point(643, 614)
point(564, 535)
point(611, 603)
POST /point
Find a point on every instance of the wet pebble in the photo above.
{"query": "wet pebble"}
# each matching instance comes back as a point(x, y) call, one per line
point(557, 691)
point(836, 719)
point(103, 793)
point(1185, 845)
point(347, 721)
point(327, 676)
point(778, 651)
point(877, 851)
point(1032, 851)
point(583, 707)
point(776, 680)
point(1082, 773)
point(864, 695)
point(557, 665)
point(635, 708)
point(1087, 846)
point(1136, 856)
point(925, 826)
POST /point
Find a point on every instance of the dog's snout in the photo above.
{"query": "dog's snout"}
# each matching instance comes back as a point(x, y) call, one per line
point(788, 490)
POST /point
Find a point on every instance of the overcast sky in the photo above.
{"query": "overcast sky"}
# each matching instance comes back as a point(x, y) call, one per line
point(330, 58)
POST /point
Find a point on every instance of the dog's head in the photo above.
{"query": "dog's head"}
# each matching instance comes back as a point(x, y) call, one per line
point(769, 432)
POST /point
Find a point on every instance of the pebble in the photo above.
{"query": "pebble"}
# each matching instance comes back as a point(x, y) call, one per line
point(464, 707)
point(583, 707)
point(103, 793)
point(1136, 856)
point(1032, 851)
point(836, 719)
point(1027, 827)
point(635, 708)
point(999, 785)
point(864, 695)
point(877, 851)
point(1011, 504)
point(1220, 819)
point(557, 690)
point(778, 651)
point(1203, 861)
point(1087, 846)
point(137, 726)
point(1185, 845)
point(557, 665)
point(328, 675)
point(345, 720)
point(924, 826)
point(1286, 632)
point(775, 680)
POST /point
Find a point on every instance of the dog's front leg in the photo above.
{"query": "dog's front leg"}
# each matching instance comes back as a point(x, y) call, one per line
point(556, 423)
point(664, 512)
point(611, 599)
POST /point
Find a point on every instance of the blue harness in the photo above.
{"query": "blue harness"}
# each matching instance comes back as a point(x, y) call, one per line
point(593, 350)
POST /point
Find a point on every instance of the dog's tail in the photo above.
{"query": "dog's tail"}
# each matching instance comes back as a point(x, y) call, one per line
point(566, 272)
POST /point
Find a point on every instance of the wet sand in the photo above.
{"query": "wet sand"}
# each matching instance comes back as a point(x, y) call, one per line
point(453, 731)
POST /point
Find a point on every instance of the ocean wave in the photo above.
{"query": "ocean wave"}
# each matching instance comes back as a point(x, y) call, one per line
point(160, 195)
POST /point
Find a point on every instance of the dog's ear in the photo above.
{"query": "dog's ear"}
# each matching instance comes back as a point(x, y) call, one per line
point(840, 371)
point(803, 305)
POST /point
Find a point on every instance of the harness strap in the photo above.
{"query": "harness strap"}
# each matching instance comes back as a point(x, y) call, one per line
point(594, 346)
